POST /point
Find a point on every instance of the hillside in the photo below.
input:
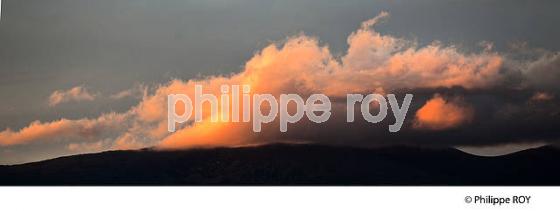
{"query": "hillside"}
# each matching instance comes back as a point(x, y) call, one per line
point(284, 164)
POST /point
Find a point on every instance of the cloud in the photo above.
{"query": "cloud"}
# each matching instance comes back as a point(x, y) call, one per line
point(137, 91)
point(43, 131)
point(397, 63)
point(126, 142)
point(85, 147)
point(490, 97)
point(77, 93)
point(543, 72)
point(542, 96)
point(492, 151)
point(373, 63)
point(440, 114)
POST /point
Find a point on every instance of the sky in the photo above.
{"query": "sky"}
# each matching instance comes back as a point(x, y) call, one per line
point(79, 76)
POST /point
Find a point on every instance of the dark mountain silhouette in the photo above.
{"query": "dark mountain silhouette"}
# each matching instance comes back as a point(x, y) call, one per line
point(283, 164)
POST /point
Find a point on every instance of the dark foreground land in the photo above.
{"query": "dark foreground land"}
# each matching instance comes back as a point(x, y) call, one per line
point(291, 165)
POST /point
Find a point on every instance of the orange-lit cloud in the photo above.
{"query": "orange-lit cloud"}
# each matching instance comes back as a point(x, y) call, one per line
point(440, 114)
point(301, 65)
point(136, 92)
point(63, 128)
point(373, 63)
point(77, 93)
point(542, 96)
point(126, 142)
point(85, 147)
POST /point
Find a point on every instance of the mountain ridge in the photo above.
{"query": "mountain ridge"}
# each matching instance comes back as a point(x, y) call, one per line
point(286, 164)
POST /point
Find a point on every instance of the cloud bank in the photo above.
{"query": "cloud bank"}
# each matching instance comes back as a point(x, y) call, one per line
point(483, 98)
